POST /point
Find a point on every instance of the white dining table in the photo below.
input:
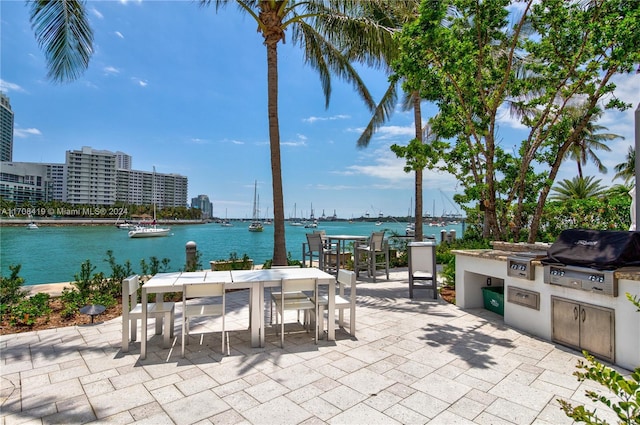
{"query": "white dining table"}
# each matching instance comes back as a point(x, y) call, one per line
point(254, 280)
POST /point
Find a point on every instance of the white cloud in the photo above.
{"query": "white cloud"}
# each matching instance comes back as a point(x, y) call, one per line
point(23, 133)
point(119, 34)
point(311, 120)
point(140, 82)
point(7, 87)
point(96, 13)
point(112, 70)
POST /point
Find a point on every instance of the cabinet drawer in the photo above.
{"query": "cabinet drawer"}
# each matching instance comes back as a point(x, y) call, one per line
point(523, 297)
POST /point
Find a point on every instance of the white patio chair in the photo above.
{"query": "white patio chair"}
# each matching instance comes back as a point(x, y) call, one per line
point(422, 267)
point(346, 279)
point(289, 295)
point(210, 302)
point(283, 303)
point(162, 312)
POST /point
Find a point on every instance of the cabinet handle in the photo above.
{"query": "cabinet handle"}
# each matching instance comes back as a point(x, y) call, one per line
point(575, 313)
point(584, 314)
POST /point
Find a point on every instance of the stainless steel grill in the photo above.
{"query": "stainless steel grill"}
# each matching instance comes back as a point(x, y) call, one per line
point(520, 265)
point(583, 278)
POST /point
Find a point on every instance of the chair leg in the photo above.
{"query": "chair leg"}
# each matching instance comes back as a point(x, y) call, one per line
point(168, 333)
point(125, 334)
point(184, 331)
point(134, 329)
point(352, 321)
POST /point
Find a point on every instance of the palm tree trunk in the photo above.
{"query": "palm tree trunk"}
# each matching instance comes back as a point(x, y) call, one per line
point(279, 244)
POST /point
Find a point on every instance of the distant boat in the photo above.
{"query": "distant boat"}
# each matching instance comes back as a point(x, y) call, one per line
point(311, 225)
point(226, 222)
point(295, 221)
point(410, 230)
point(256, 225)
point(126, 226)
point(152, 231)
point(32, 226)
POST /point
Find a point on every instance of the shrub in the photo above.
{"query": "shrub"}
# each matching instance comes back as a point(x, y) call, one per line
point(28, 310)
point(290, 262)
point(11, 290)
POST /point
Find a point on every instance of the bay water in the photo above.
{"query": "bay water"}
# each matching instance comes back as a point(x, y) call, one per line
point(53, 254)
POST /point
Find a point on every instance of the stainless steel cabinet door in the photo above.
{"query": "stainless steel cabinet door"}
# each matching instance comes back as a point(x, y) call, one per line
point(565, 322)
point(597, 331)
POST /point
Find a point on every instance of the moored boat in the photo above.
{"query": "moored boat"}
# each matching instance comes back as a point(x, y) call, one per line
point(256, 224)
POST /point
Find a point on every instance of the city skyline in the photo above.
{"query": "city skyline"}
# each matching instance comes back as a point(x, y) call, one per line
point(192, 101)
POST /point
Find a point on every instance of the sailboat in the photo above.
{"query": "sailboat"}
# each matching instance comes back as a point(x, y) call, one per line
point(267, 220)
point(226, 222)
point(295, 221)
point(152, 231)
point(256, 225)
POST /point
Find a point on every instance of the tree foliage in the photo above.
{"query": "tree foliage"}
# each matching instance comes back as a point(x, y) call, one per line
point(541, 60)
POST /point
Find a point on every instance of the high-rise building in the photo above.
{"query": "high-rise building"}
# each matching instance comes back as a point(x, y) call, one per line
point(146, 187)
point(123, 161)
point(6, 129)
point(203, 204)
point(91, 177)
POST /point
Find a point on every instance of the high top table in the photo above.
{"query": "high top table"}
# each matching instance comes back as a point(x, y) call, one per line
point(254, 280)
point(342, 240)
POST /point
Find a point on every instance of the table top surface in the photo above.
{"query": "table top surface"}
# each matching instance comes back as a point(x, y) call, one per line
point(273, 276)
point(347, 237)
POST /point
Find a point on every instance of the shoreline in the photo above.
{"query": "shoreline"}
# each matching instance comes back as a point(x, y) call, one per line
point(21, 222)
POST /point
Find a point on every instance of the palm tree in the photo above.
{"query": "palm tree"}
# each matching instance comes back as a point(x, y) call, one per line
point(323, 29)
point(577, 188)
point(592, 139)
point(627, 170)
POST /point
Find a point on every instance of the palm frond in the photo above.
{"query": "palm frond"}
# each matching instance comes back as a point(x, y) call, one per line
point(381, 114)
point(327, 59)
point(62, 29)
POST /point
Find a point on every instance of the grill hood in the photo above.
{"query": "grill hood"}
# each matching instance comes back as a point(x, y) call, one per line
point(597, 249)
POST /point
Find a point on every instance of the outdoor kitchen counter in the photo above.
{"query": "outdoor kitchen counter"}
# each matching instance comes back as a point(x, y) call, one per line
point(628, 273)
point(479, 268)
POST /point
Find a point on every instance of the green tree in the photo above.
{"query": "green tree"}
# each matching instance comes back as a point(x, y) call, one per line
point(540, 60)
point(584, 149)
point(627, 170)
point(577, 188)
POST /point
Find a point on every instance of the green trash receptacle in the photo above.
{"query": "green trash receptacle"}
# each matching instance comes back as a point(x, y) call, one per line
point(494, 299)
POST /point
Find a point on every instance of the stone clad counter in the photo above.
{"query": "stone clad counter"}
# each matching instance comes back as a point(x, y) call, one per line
point(475, 269)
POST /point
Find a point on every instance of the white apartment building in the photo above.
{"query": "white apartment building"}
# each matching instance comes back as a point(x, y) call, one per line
point(91, 177)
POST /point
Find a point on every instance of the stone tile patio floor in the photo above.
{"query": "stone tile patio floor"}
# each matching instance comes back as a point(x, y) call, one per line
point(412, 362)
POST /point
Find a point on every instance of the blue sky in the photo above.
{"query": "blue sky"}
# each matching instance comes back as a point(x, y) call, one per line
point(183, 88)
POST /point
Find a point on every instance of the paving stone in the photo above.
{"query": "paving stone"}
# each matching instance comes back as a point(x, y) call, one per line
point(195, 407)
